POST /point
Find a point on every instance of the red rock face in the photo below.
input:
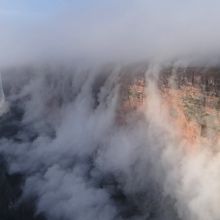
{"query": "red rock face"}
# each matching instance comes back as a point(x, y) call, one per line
point(190, 98)
point(132, 96)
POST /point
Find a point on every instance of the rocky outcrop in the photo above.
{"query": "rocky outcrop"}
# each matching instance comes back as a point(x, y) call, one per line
point(191, 97)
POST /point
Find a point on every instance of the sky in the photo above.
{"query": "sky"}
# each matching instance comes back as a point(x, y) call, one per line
point(108, 30)
point(16, 8)
point(28, 7)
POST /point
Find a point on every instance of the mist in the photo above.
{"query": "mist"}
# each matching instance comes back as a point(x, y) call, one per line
point(123, 31)
point(80, 162)
point(67, 129)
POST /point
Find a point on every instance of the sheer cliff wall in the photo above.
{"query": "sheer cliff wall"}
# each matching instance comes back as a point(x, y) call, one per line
point(191, 97)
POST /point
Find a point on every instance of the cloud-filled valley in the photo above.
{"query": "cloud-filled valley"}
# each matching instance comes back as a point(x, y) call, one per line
point(111, 111)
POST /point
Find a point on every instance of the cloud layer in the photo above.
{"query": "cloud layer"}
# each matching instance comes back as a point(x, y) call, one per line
point(117, 31)
point(77, 161)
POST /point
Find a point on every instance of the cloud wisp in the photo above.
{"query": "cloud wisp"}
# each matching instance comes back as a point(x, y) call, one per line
point(79, 163)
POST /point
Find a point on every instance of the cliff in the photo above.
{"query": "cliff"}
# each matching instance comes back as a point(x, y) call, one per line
point(190, 96)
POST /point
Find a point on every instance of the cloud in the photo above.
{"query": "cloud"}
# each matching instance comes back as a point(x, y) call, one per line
point(125, 31)
point(78, 162)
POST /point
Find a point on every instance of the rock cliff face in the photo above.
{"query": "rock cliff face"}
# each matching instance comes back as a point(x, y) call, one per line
point(190, 96)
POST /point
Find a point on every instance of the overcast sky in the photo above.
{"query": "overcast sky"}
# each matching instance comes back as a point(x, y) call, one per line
point(108, 30)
